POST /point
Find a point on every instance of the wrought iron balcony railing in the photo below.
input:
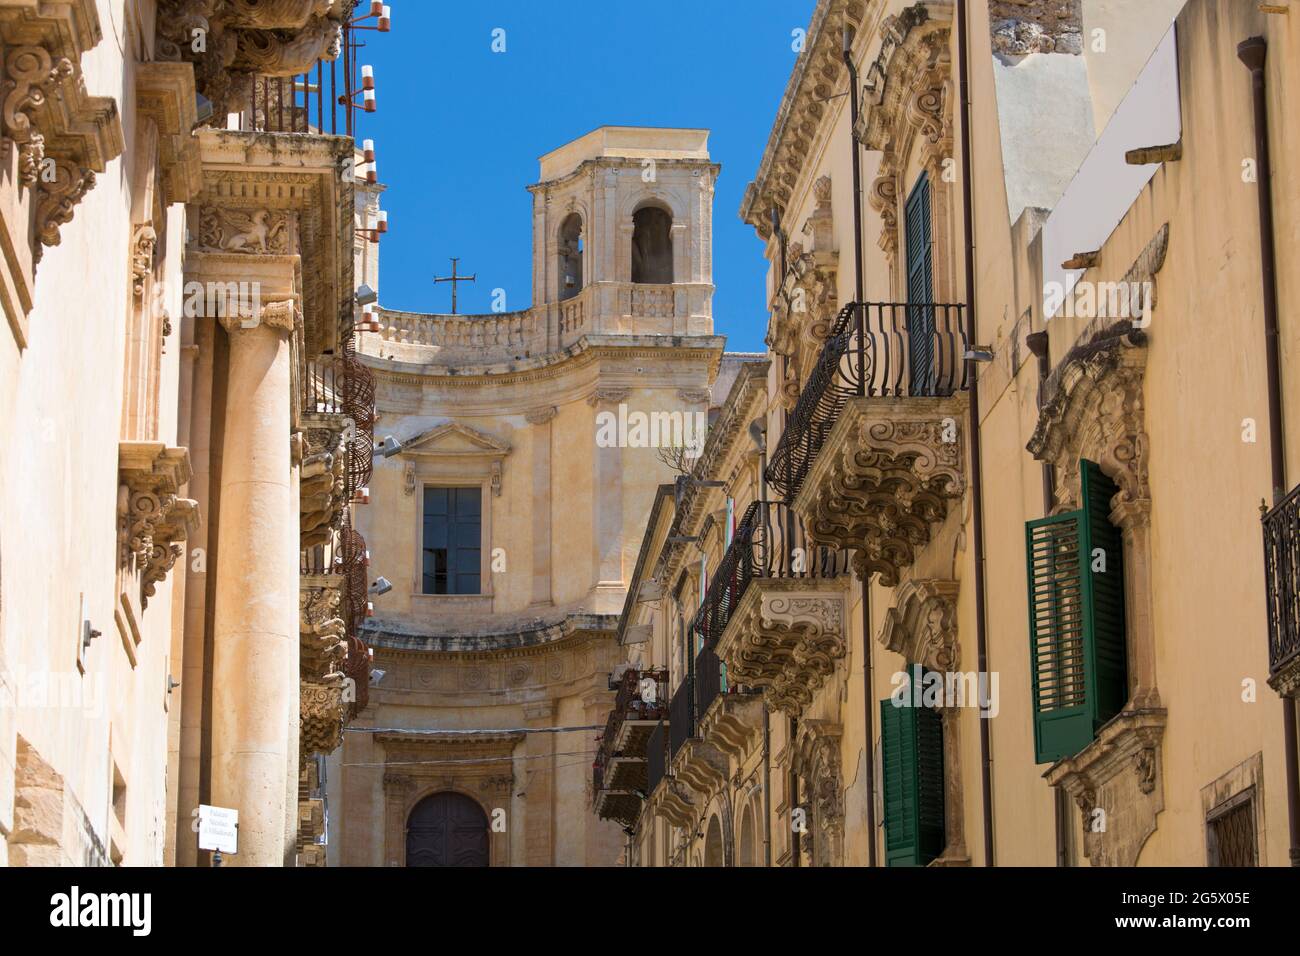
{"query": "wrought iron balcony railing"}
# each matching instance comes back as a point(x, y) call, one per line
point(656, 757)
point(681, 717)
point(875, 350)
point(710, 682)
point(1282, 575)
point(322, 100)
point(770, 542)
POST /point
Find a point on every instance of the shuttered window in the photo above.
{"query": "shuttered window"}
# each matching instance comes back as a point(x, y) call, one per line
point(920, 290)
point(912, 757)
point(453, 528)
point(1076, 621)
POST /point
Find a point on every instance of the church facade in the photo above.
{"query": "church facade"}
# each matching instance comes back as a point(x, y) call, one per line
point(520, 454)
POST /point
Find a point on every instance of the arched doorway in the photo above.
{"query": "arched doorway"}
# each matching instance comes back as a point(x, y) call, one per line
point(652, 246)
point(447, 829)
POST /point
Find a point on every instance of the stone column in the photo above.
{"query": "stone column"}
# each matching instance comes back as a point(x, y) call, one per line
point(539, 782)
point(542, 504)
point(196, 573)
point(255, 631)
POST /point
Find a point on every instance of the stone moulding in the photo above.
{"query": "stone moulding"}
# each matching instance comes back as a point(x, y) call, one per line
point(164, 92)
point(1119, 774)
point(816, 759)
point(785, 638)
point(672, 801)
point(888, 473)
point(152, 517)
point(701, 766)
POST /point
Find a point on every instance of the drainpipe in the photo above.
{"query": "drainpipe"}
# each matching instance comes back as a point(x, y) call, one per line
point(859, 265)
point(1253, 53)
point(976, 461)
point(767, 787)
point(1038, 344)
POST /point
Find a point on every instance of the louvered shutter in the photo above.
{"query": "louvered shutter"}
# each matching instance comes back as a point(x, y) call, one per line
point(912, 758)
point(1076, 621)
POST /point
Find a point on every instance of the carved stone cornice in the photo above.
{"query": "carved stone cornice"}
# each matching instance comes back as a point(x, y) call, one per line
point(1119, 773)
point(152, 517)
point(887, 474)
point(785, 637)
point(322, 488)
point(1286, 679)
point(1095, 410)
point(802, 117)
point(922, 624)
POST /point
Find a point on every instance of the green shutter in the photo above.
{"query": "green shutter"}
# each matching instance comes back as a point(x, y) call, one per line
point(911, 741)
point(1076, 621)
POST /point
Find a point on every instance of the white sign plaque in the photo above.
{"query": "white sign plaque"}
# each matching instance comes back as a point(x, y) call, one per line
point(218, 829)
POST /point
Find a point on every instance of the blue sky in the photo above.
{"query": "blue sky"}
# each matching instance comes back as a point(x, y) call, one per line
point(459, 128)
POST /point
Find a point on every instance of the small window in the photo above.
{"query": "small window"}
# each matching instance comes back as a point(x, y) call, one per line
point(453, 527)
point(652, 246)
point(1230, 832)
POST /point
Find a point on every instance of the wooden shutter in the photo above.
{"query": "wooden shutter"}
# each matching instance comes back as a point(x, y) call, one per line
point(920, 289)
point(1076, 621)
point(912, 758)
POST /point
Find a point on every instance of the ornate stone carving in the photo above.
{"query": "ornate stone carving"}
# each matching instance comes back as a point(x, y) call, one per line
point(785, 638)
point(540, 416)
point(152, 517)
point(1095, 409)
point(257, 231)
point(1021, 27)
point(694, 396)
point(323, 476)
point(889, 472)
point(322, 632)
point(322, 714)
point(816, 759)
point(229, 41)
point(143, 243)
point(1118, 773)
point(922, 624)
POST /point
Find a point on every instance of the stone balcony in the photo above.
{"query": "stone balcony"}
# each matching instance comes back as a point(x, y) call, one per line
point(871, 459)
point(774, 615)
point(619, 780)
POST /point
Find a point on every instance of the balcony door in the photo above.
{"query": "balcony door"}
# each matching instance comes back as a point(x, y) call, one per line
point(920, 289)
point(453, 530)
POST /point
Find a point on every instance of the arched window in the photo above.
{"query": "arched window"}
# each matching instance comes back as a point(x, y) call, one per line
point(570, 258)
point(652, 246)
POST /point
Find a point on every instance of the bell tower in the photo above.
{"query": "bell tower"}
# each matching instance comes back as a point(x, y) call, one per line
point(623, 235)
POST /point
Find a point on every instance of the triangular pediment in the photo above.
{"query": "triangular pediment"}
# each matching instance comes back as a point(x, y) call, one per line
point(453, 439)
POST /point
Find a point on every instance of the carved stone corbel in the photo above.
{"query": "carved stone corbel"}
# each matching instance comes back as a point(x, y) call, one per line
point(323, 476)
point(152, 517)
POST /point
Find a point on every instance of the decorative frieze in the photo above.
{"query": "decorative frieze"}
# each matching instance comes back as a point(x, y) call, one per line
point(888, 473)
point(153, 519)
